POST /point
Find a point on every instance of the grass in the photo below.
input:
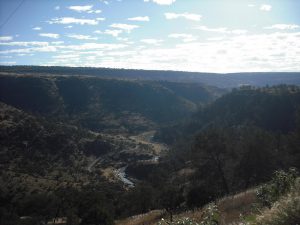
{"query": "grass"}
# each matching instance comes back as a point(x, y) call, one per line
point(230, 209)
point(236, 209)
point(150, 218)
point(286, 211)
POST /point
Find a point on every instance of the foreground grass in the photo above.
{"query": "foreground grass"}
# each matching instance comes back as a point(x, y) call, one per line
point(286, 211)
point(230, 208)
point(236, 209)
point(149, 218)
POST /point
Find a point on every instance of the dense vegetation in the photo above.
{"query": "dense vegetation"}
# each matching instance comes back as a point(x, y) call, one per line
point(229, 80)
point(100, 104)
point(241, 139)
point(53, 127)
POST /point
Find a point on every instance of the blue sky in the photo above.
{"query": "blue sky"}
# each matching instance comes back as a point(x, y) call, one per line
point(187, 35)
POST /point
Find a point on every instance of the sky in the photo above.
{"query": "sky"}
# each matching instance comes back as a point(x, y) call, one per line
point(186, 35)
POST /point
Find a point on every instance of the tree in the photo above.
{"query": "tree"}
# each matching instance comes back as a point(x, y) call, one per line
point(198, 196)
point(210, 154)
point(257, 156)
point(171, 198)
point(97, 215)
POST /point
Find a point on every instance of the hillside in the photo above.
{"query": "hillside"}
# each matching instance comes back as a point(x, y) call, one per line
point(105, 104)
point(228, 80)
point(87, 148)
point(244, 208)
point(232, 144)
point(270, 108)
point(78, 135)
point(43, 160)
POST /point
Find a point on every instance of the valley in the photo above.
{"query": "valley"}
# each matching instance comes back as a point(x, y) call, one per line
point(126, 151)
point(149, 112)
point(145, 151)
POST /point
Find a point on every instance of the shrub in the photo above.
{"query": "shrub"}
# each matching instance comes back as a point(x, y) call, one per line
point(182, 221)
point(286, 211)
point(211, 215)
point(280, 184)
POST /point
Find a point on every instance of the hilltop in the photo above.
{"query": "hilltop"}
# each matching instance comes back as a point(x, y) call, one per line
point(105, 104)
point(228, 80)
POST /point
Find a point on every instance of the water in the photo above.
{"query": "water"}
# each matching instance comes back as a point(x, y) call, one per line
point(122, 176)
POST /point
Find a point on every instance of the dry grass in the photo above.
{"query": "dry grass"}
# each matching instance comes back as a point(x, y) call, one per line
point(230, 209)
point(109, 174)
point(195, 215)
point(285, 211)
point(150, 218)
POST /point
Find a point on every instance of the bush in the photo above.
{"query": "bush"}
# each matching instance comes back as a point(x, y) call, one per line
point(182, 221)
point(211, 215)
point(280, 184)
point(286, 211)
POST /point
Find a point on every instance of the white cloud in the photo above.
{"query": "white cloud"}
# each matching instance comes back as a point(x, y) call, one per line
point(66, 56)
point(162, 2)
point(265, 7)
point(81, 8)
point(94, 11)
point(36, 28)
point(94, 46)
point(243, 53)
point(25, 43)
point(218, 29)
point(81, 37)
point(223, 30)
point(123, 39)
point(283, 26)
point(152, 41)
point(100, 19)
point(57, 42)
point(84, 8)
point(127, 27)
point(114, 33)
point(6, 38)
point(251, 5)
point(140, 18)
point(188, 16)
point(22, 54)
point(49, 35)
point(105, 2)
point(72, 20)
point(238, 31)
point(121, 53)
point(184, 37)
point(57, 7)
point(30, 50)
point(180, 35)
point(97, 11)
point(32, 47)
point(98, 32)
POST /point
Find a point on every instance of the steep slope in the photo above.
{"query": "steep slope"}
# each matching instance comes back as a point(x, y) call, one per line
point(110, 104)
point(272, 108)
point(234, 143)
point(51, 169)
